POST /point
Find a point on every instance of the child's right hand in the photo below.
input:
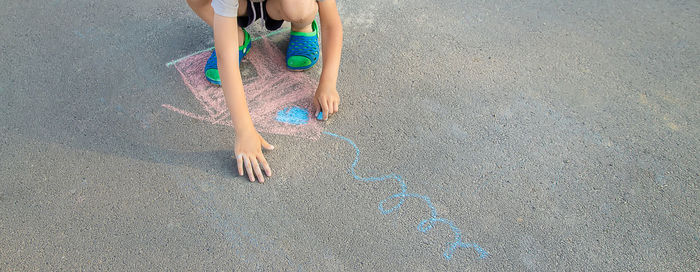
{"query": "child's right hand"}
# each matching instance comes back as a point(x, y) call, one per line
point(248, 151)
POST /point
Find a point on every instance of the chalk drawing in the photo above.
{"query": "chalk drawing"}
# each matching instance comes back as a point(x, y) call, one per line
point(279, 102)
point(273, 88)
point(294, 115)
point(426, 224)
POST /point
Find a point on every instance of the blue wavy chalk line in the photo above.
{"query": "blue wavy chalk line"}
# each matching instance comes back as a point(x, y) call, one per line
point(425, 225)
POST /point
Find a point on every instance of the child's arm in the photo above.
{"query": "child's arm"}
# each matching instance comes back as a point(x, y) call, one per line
point(326, 98)
point(248, 141)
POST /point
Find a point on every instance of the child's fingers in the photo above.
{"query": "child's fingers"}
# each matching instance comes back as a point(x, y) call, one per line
point(239, 161)
point(329, 103)
point(326, 108)
point(256, 168)
point(265, 166)
point(317, 107)
point(334, 106)
point(249, 168)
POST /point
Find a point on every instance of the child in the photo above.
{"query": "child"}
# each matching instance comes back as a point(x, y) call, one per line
point(227, 17)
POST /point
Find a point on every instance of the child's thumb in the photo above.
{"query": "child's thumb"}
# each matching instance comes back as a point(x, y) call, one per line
point(266, 145)
point(317, 107)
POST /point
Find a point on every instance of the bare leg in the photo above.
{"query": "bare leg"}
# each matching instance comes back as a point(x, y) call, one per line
point(299, 13)
point(204, 10)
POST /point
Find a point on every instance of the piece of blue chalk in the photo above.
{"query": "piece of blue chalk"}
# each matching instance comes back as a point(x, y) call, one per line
point(320, 115)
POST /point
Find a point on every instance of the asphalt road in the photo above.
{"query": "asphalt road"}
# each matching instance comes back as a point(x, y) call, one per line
point(516, 136)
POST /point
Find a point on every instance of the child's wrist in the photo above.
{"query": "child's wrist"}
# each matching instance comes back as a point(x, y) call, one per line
point(325, 83)
point(242, 129)
point(328, 79)
point(243, 126)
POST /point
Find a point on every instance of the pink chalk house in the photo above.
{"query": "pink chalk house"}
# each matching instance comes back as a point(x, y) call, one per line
point(273, 89)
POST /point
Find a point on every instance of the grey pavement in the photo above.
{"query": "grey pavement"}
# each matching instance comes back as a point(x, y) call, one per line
point(554, 135)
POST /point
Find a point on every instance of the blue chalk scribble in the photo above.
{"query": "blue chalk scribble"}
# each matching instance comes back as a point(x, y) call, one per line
point(294, 116)
point(424, 225)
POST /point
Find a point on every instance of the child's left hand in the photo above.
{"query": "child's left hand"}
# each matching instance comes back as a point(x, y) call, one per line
point(326, 100)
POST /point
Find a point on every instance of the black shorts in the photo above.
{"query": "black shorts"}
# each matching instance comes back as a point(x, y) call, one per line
point(255, 11)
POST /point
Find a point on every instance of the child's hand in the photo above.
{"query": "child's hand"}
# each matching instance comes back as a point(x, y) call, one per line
point(326, 100)
point(248, 152)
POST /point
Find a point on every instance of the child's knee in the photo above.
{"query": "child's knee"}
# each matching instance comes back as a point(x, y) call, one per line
point(298, 11)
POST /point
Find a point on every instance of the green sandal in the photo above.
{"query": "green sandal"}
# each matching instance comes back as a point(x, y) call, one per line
point(302, 52)
point(211, 70)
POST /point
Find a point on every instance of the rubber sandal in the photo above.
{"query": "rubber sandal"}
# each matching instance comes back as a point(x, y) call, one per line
point(302, 52)
point(211, 70)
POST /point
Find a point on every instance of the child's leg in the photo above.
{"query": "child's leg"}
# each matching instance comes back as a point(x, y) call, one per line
point(204, 10)
point(299, 13)
point(303, 48)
